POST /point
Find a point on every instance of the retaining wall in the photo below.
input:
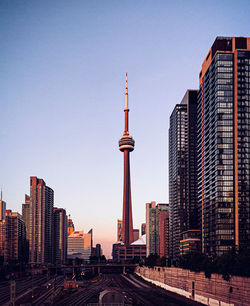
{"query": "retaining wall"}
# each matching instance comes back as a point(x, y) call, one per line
point(194, 285)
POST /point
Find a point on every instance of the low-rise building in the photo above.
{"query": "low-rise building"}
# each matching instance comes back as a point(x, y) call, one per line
point(80, 245)
point(133, 252)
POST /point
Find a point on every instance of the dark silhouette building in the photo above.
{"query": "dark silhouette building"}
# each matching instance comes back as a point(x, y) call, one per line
point(98, 250)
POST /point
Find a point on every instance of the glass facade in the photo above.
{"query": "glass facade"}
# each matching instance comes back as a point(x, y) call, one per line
point(224, 147)
point(215, 162)
point(60, 235)
point(243, 146)
point(183, 170)
point(39, 221)
point(157, 222)
point(177, 176)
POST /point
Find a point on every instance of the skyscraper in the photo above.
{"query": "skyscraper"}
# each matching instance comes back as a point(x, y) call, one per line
point(39, 221)
point(126, 145)
point(13, 246)
point(60, 235)
point(163, 217)
point(2, 240)
point(71, 226)
point(25, 213)
point(183, 171)
point(156, 228)
point(143, 229)
point(2, 207)
point(98, 250)
point(119, 230)
point(224, 145)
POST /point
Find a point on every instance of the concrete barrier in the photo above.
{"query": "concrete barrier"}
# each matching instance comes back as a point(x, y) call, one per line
point(194, 285)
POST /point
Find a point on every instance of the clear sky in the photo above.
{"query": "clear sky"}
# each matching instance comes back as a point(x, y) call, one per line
point(62, 72)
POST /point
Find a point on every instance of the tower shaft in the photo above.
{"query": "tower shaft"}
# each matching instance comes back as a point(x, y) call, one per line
point(126, 145)
point(127, 222)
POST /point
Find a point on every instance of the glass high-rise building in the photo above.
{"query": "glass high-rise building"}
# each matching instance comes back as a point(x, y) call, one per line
point(60, 235)
point(119, 230)
point(13, 244)
point(71, 226)
point(2, 207)
point(157, 228)
point(183, 172)
point(38, 218)
point(143, 229)
point(224, 145)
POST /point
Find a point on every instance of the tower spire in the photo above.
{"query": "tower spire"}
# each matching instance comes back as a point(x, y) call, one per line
point(126, 93)
point(126, 109)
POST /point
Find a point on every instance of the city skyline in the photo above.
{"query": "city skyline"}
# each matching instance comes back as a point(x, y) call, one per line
point(62, 96)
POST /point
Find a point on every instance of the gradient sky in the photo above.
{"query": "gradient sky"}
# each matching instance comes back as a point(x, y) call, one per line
point(62, 68)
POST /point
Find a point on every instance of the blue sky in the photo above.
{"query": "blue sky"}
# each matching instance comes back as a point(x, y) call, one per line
point(62, 68)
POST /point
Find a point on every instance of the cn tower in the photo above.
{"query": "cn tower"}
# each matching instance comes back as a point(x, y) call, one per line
point(126, 145)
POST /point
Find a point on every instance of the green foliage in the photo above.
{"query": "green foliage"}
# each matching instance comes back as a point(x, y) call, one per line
point(155, 260)
point(150, 261)
point(230, 263)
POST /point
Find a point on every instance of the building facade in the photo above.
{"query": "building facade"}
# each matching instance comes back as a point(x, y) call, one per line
point(129, 253)
point(190, 242)
point(119, 230)
point(25, 213)
point(224, 145)
point(2, 240)
point(157, 235)
point(71, 227)
point(177, 179)
point(98, 248)
point(163, 217)
point(2, 207)
point(183, 199)
point(13, 243)
point(80, 245)
point(143, 229)
point(136, 233)
point(38, 216)
point(60, 236)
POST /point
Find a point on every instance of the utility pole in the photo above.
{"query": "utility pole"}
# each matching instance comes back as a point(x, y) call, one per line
point(12, 290)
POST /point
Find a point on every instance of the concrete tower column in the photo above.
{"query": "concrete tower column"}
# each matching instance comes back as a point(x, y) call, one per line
point(126, 145)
